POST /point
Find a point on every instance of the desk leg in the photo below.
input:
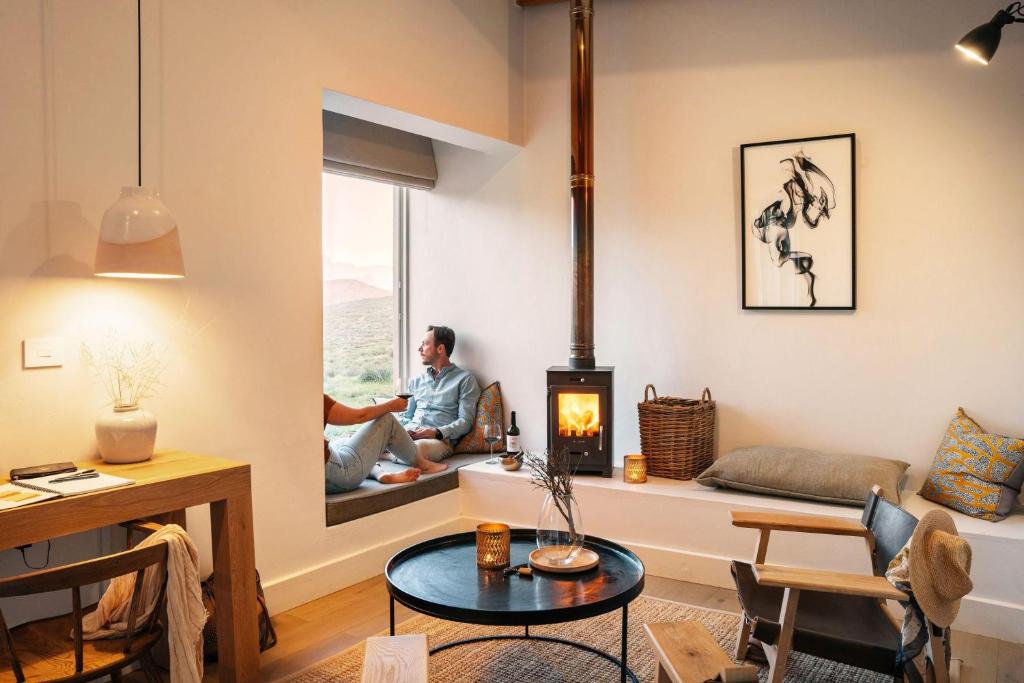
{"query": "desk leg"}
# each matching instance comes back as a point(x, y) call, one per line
point(234, 570)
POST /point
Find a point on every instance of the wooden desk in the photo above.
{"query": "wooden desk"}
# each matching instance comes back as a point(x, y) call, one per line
point(165, 486)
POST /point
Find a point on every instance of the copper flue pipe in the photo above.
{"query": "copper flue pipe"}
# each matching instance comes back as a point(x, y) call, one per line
point(581, 184)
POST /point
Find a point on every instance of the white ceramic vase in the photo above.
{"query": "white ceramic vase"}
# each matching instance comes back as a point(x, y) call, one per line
point(125, 434)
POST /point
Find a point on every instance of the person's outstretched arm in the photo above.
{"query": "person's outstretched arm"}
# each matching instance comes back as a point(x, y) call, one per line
point(341, 414)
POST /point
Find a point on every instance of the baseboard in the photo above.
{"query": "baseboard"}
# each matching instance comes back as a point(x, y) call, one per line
point(982, 616)
point(368, 534)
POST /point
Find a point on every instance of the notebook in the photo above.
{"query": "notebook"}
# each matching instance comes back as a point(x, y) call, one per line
point(18, 493)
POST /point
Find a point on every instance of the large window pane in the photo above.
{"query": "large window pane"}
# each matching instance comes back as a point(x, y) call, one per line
point(359, 301)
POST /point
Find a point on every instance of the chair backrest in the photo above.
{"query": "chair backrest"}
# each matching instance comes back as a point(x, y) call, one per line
point(73, 577)
point(891, 525)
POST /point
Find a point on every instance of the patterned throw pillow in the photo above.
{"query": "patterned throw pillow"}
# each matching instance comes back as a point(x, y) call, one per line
point(976, 473)
point(489, 409)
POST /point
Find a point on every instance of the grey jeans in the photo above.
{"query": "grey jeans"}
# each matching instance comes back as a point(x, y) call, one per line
point(353, 458)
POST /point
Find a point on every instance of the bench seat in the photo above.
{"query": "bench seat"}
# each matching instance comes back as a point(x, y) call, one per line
point(373, 497)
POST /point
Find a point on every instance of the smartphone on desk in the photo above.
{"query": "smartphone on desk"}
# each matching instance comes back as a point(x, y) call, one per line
point(42, 470)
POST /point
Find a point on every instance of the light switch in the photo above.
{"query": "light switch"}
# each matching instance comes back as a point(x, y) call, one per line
point(43, 352)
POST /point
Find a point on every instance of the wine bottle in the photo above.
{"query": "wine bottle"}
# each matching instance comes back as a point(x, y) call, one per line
point(512, 438)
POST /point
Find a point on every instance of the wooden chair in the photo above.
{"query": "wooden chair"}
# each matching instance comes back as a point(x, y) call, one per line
point(834, 615)
point(688, 653)
point(44, 650)
point(396, 659)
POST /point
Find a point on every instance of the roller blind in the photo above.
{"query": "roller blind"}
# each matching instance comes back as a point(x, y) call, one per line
point(369, 150)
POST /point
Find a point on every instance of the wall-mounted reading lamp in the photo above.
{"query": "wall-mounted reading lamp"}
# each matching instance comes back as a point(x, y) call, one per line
point(981, 43)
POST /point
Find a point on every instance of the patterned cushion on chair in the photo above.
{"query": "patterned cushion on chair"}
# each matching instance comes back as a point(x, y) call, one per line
point(489, 409)
point(976, 473)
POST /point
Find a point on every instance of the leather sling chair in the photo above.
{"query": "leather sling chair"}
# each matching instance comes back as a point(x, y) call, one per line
point(834, 615)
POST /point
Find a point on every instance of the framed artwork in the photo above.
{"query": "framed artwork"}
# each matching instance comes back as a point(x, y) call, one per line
point(797, 237)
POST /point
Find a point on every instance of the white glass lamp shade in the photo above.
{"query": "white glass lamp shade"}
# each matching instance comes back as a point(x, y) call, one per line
point(139, 238)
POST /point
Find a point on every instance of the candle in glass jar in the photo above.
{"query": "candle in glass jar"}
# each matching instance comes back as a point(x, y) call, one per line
point(634, 469)
point(492, 546)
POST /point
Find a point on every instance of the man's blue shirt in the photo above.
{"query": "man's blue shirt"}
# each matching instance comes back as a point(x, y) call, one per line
point(443, 400)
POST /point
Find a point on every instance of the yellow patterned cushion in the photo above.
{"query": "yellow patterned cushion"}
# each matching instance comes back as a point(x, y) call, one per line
point(489, 409)
point(976, 473)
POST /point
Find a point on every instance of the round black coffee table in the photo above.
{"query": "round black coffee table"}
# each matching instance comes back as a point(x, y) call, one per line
point(440, 578)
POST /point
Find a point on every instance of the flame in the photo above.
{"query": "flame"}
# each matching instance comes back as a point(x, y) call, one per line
point(579, 414)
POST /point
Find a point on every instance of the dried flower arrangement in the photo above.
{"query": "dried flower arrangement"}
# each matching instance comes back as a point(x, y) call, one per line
point(130, 371)
point(554, 472)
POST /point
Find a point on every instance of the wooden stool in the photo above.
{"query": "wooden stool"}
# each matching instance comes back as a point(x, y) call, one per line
point(398, 659)
point(687, 653)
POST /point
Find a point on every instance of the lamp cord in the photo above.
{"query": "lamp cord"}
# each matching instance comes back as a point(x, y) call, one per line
point(1016, 10)
point(138, 19)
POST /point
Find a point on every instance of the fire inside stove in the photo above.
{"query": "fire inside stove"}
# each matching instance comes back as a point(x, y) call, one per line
point(579, 415)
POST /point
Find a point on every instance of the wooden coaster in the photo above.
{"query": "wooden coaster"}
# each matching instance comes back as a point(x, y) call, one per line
point(541, 558)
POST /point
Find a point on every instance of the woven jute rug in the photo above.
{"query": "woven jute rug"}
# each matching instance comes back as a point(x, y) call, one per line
point(519, 661)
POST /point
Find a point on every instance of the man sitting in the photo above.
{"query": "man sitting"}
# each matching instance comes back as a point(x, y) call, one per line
point(443, 403)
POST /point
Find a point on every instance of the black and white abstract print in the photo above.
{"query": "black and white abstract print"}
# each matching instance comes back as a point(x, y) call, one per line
point(794, 194)
point(808, 198)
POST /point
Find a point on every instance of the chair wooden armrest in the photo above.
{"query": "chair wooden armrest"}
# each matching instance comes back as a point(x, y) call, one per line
point(827, 581)
point(812, 524)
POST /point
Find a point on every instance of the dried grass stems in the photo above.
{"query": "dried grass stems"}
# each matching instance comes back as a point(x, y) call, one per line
point(554, 472)
point(129, 371)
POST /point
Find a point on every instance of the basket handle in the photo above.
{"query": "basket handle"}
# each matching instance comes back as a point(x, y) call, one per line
point(705, 397)
point(649, 389)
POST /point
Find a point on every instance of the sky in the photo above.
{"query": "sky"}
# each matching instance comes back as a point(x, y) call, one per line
point(357, 221)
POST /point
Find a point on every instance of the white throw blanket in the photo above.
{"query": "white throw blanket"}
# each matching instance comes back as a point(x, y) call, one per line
point(185, 612)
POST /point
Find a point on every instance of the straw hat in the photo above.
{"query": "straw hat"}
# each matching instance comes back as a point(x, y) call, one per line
point(940, 564)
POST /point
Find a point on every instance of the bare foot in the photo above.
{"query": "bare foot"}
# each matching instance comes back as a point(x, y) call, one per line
point(430, 467)
point(411, 474)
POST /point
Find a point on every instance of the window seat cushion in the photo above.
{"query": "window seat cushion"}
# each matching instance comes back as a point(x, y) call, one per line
point(372, 497)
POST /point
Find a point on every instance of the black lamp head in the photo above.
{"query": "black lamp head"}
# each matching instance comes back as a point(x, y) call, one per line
point(980, 44)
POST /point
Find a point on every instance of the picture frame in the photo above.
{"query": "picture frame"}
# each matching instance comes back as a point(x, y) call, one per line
point(798, 224)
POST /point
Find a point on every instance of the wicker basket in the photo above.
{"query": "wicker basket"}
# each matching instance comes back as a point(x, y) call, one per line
point(676, 434)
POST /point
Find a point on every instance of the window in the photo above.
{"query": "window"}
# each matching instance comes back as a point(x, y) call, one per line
point(364, 270)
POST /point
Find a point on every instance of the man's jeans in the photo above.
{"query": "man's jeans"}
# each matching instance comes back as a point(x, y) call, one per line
point(353, 458)
point(434, 450)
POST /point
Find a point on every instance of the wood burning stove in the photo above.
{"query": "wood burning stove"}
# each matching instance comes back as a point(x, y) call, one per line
point(580, 395)
point(580, 416)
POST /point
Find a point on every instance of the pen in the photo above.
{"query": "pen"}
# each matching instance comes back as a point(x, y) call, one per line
point(84, 474)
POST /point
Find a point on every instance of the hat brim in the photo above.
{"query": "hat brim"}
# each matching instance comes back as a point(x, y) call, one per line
point(939, 610)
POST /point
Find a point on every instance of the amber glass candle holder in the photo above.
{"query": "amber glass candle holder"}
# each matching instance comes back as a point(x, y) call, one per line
point(492, 546)
point(634, 469)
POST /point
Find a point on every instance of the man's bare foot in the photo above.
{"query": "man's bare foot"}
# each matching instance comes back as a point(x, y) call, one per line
point(407, 475)
point(430, 467)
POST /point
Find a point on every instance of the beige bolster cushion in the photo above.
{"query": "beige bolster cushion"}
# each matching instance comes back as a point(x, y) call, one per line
point(807, 474)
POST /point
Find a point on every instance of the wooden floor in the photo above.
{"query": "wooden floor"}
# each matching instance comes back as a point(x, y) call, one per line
point(317, 630)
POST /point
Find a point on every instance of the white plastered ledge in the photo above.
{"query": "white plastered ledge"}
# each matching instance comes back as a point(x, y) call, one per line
point(683, 530)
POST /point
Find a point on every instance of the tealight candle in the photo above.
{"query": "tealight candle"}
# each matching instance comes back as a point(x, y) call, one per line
point(634, 469)
point(492, 546)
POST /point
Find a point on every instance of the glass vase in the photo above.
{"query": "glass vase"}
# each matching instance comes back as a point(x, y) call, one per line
point(560, 529)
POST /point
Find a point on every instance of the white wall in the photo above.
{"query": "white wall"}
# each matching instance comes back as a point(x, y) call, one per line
point(679, 86)
point(233, 137)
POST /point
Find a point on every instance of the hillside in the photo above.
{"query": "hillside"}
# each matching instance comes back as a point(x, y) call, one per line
point(347, 289)
point(358, 350)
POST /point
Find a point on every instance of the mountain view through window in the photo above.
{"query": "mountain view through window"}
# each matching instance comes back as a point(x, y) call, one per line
point(359, 302)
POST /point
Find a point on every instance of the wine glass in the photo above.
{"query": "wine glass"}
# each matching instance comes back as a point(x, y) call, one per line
point(402, 388)
point(492, 435)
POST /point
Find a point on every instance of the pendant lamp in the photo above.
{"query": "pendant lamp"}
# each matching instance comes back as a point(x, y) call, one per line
point(980, 44)
point(138, 234)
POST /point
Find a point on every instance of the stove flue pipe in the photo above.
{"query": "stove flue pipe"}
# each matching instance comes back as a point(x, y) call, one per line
point(581, 184)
